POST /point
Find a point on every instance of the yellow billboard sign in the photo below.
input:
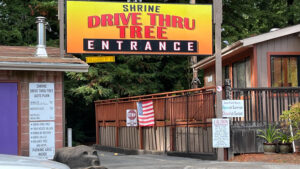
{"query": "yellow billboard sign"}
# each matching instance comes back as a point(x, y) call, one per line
point(138, 28)
point(98, 59)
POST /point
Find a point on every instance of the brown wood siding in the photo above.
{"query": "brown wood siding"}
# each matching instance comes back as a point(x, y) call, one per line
point(182, 119)
point(289, 43)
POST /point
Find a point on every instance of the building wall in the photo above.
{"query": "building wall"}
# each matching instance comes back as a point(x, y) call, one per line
point(209, 77)
point(24, 78)
point(289, 43)
point(209, 72)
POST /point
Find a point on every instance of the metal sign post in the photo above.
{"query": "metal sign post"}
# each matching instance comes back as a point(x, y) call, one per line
point(217, 6)
point(194, 61)
point(61, 27)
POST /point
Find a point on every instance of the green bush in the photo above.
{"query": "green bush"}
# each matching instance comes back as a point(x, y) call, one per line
point(270, 135)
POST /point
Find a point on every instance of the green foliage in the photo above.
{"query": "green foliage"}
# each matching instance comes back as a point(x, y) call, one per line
point(292, 117)
point(246, 18)
point(17, 21)
point(130, 76)
point(285, 138)
point(270, 135)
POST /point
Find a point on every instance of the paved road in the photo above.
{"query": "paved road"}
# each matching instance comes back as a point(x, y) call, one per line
point(149, 161)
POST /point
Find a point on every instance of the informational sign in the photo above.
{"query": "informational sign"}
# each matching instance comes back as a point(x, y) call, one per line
point(100, 59)
point(42, 140)
point(131, 117)
point(41, 101)
point(139, 28)
point(221, 133)
point(233, 108)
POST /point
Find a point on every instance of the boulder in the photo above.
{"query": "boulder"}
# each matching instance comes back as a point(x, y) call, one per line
point(79, 157)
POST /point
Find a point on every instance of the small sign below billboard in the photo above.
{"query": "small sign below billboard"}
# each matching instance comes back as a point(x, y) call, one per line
point(233, 108)
point(131, 117)
point(221, 133)
point(100, 59)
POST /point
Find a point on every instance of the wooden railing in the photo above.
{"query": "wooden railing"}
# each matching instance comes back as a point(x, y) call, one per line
point(193, 108)
point(264, 105)
point(195, 105)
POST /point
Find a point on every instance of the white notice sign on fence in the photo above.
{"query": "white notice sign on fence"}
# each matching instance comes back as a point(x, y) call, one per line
point(233, 108)
point(131, 117)
point(42, 140)
point(221, 133)
point(41, 101)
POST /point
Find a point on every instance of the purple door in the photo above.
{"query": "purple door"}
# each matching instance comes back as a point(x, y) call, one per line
point(9, 118)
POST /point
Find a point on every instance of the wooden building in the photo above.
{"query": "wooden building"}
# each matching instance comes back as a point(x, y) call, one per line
point(265, 73)
point(267, 60)
point(32, 98)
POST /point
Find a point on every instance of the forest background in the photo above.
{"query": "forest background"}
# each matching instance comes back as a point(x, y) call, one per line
point(136, 74)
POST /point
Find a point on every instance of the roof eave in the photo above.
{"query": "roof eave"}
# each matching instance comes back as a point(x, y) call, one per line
point(271, 35)
point(58, 67)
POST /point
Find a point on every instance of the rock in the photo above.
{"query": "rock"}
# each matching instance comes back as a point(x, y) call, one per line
point(79, 157)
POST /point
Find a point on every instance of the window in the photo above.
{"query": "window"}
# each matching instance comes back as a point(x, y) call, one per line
point(225, 73)
point(284, 71)
point(241, 73)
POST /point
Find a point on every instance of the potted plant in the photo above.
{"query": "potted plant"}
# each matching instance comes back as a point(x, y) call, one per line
point(285, 141)
point(270, 136)
point(290, 122)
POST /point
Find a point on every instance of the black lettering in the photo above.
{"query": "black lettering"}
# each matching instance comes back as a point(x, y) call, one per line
point(157, 9)
point(132, 7)
point(140, 8)
point(125, 8)
point(150, 8)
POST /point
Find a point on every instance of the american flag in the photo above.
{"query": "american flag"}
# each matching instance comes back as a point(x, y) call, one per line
point(145, 113)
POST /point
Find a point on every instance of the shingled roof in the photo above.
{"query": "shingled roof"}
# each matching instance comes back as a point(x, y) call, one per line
point(23, 58)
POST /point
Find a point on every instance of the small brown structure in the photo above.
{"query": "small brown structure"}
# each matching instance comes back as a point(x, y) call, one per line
point(20, 130)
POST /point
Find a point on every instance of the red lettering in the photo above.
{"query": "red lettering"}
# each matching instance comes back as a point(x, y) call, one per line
point(148, 32)
point(124, 19)
point(135, 31)
point(135, 18)
point(161, 32)
point(122, 31)
point(93, 21)
point(152, 18)
point(164, 21)
point(177, 21)
point(116, 19)
point(107, 19)
point(187, 25)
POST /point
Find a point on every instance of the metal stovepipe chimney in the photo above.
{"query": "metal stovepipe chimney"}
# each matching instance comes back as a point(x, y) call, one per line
point(41, 38)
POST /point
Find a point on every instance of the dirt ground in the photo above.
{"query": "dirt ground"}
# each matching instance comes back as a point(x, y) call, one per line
point(292, 158)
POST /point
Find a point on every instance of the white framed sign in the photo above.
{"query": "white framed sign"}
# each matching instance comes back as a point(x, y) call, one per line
point(42, 140)
point(221, 133)
point(233, 108)
point(131, 117)
point(41, 101)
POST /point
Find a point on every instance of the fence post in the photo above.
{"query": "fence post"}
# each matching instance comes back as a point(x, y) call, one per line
point(117, 125)
point(141, 137)
point(227, 84)
point(187, 124)
point(228, 154)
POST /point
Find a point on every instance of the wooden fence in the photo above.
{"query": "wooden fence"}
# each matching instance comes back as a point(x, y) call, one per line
point(182, 122)
point(264, 105)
